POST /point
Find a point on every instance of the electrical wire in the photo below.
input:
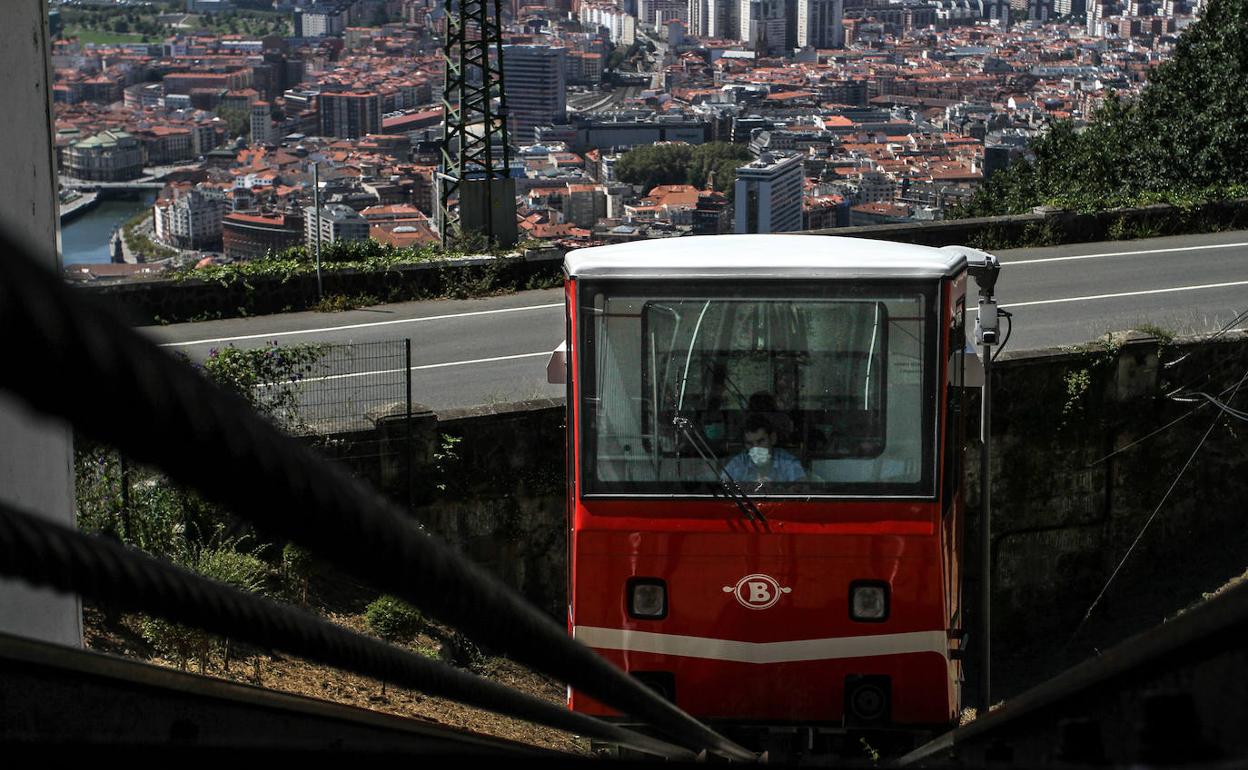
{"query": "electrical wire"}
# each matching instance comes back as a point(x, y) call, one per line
point(1009, 329)
point(51, 555)
point(1165, 427)
point(1148, 522)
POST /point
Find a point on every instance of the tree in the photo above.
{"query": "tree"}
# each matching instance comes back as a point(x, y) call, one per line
point(237, 122)
point(1181, 139)
point(655, 165)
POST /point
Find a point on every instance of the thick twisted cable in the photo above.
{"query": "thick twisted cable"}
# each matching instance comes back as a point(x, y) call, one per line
point(57, 557)
point(160, 411)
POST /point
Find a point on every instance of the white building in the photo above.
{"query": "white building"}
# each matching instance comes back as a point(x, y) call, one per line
point(320, 21)
point(769, 195)
point(191, 219)
point(621, 26)
point(337, 223)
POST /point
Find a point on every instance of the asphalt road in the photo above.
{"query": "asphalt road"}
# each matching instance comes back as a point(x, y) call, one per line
point(493, 350)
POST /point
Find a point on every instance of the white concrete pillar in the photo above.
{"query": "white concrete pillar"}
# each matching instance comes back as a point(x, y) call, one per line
point(36, 455)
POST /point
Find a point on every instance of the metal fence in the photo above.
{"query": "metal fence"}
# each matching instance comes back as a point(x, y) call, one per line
point(352, 386)
point(340, 405)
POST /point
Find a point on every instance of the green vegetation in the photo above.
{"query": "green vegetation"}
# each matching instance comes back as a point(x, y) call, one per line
point(135, 232)
point(104, 25)
point(393, 619)
point(297, 571)
point(1180, 142)
point(683, 164)
point(237, 122)
point(372, 257)
point(145, 510)
point(337, 303)
point(105, 37)
point(268, 377)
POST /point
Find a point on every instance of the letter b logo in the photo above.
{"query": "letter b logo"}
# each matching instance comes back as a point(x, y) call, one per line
point(757, 591)
point(760, 593)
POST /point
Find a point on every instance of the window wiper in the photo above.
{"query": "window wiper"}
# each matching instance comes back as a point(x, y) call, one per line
point(730, 487)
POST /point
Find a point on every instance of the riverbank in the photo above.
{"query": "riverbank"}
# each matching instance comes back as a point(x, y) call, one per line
point(84, 202)
point(87, 230)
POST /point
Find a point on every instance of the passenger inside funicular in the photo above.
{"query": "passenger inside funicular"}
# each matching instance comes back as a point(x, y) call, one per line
point(763, 461)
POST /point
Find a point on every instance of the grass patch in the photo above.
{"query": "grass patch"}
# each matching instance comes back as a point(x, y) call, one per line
point(101, 37)
point(337, 303)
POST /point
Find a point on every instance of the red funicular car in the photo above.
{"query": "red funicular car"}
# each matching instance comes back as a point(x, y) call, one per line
point(765, 476)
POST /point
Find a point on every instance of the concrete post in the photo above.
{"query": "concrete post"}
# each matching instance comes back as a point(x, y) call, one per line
point(36, 455)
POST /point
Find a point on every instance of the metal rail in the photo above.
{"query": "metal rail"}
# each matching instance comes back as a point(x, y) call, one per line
point(1175, 694)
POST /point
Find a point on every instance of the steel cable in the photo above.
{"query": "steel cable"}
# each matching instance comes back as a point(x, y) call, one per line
point(160, 411)
point(51, 555)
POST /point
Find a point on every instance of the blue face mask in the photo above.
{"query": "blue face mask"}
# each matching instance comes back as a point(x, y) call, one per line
point(760, 455)
point(714, 431)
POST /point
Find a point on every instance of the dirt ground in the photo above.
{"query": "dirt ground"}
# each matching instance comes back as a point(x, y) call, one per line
point(121, 636)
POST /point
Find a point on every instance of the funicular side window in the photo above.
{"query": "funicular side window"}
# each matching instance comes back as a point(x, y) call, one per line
point(834, 382)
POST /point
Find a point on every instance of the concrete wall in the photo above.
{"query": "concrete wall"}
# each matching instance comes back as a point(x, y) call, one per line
point(36, 459)
point(1062, 521)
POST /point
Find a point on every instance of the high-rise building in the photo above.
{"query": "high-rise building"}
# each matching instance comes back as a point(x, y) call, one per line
point(1070, 7)
point(696, 13)
point(769, 195)
point(761, 23)
point(534, 78)
point(261, 124)
point(820, 23)
point(621, 26)
point(721, 19)
point(1097, 11)
point(349, 115)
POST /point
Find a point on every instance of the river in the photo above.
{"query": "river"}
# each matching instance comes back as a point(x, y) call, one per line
point(85, 238)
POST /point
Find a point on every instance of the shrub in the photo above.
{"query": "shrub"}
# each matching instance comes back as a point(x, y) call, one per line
point(297, 570)
point(392, 619)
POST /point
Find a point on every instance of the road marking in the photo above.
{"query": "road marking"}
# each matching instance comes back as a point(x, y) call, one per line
point(835, 648)
point(369, 325)
point(443, 365)
point(1171, 290)
point(1123, 254)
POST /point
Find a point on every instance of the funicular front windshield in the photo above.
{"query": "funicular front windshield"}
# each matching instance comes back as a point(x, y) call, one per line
point(787, 389)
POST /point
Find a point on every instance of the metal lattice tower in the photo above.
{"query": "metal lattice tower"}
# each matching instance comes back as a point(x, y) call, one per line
point(475, 192)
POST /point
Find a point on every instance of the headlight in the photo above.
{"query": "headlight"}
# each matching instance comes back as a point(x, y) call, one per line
point(868, 601)
point(647, 598)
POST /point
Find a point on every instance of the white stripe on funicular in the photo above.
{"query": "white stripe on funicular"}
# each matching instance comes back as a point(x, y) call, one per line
point(763, 652)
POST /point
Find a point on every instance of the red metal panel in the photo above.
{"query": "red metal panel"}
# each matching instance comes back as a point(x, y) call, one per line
point(786, 662)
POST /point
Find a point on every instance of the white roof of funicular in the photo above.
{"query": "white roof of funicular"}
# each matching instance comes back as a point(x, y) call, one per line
point(765, 256)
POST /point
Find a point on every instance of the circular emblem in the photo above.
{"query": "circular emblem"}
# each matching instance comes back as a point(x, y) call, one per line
point(757, 591)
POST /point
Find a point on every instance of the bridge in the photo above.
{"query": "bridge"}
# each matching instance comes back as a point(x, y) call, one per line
point(137, 185)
